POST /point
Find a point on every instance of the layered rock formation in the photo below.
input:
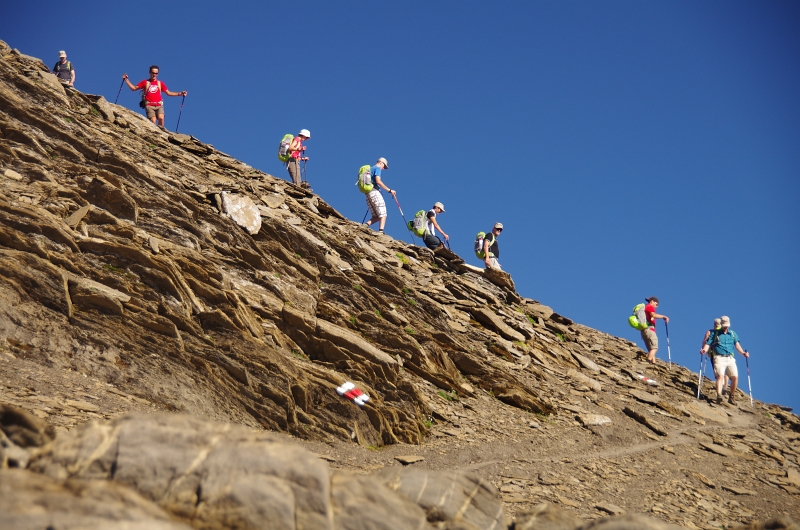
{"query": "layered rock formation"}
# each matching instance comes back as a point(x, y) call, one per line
point(142, 270)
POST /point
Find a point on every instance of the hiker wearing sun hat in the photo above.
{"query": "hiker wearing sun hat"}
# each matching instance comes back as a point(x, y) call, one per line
point(649, 334)
point(64, 70)
point(431, 225)
point(296, 151)
point(725, 342)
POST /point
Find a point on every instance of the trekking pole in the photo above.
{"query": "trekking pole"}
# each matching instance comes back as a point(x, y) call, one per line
point(700, 379)
point(304, 178)
point(669, 354)
point(119, 91)
point(404, 220)
point(179, 122)
point(364, 220)
point(750, 388)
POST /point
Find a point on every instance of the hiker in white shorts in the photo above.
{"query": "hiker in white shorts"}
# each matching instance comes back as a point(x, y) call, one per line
point(375, 202)
point(725, 343)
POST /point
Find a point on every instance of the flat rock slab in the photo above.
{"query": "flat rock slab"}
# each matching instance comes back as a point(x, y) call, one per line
point(607, 507)
point(593, 419)
point(793, 477)
point(493, 321)
point(409, 459)
point(82, 405)
point(645, 397)
point(704, 411)
point(644, 420)
point(243, 211)
point(738, 491)
point(586, 362)
point(717, 449)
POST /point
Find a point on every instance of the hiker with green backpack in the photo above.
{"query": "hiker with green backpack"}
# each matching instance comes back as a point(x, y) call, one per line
point(64, 70)
point(486, 247)
point(290, 152)
point(425, 225)
point(644, 319)
point(369, 182)
point(725, 342)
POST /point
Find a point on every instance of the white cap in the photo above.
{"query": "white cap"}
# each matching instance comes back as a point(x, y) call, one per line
point(498, 225)
point(62, 53)
point(305, 133)
point(385, 163)
point(440, 205)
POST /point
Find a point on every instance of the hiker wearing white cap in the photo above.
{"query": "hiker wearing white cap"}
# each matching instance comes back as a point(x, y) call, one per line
point(431, 225)
point(375, 202)
point(725, 343)
point(64, 70)
point(491, 250)
point(152, 102)
point(717, 327)
point(296, 150)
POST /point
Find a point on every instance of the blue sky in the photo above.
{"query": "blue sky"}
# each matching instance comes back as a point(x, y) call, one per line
point(630, 148)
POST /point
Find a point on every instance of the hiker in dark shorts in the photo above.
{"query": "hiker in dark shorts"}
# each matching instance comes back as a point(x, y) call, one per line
point(64, 70)
point(151, 95)
point(431, 225)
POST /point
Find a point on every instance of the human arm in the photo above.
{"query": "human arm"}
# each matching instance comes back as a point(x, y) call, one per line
point(380, 184)
point(170, 93)
point(705, 337)
point(486, 251)
point(72, 77)
point(439, 228)
point(738, 346)
point(656, 315)
point(130, 85)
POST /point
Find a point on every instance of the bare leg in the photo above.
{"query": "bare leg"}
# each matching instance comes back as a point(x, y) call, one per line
point(383, 222)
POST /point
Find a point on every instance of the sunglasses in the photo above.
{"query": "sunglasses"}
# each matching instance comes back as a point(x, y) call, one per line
point(154, 73)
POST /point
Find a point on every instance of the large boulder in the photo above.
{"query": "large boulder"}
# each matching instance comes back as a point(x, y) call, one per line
point(243, 211)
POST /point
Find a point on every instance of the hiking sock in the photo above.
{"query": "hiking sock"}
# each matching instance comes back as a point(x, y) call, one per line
point(380, 231)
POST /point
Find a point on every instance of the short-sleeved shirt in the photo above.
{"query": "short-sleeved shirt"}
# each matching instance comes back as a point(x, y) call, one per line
point(63, 70)
point(723, 343)
point(429, 228)
point(153, 95)
point(375, 172)
point(494, 248)
point(648, 314)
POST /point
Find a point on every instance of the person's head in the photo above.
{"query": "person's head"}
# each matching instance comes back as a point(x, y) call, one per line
point(304, 134)
point(717, 323)
point(62, 55)
point(725, 322)
point(438, 207)
point(384, 164)
point(497, 228)
point(653, 301)
point(154, 71)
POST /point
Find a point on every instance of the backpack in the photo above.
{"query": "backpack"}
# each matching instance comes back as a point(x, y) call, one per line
point(364, 181)
point(638, 320)
point(58, 66)
point(417, 225)
point(283, 148)
point(143, 102)
point(479, 245)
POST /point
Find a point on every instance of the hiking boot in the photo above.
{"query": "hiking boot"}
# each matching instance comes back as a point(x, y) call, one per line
point(731, 400)
point(718, 401)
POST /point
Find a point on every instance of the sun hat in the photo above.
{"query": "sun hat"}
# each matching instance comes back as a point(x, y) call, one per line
point(385, 163)
point(725, 322)
point(62, 53)
point(440, 205)
point(717, 322)
point(305, 133)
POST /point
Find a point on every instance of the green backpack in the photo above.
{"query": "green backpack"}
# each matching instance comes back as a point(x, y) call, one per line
point(417, 225)
point(479, 239)
point(638, 320)
point(283, 148)
point(364, 181)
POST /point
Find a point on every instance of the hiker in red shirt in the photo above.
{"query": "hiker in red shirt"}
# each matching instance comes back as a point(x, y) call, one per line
point(649, 335)
point(151, 95)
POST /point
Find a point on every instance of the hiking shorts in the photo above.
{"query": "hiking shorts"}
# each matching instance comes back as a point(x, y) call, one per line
point(725, 365)
point(650, 339)
point(431, 241)
point(153, 111)
point(494, 264)
point(377, 207)
point(294, 170)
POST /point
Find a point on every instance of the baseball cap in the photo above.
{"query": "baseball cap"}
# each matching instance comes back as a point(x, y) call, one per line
point(652, 299)
point(62, 53)
point(304, 132)
point(717, 322)
point(498, 225)
point(725, 322)
point(385, 163)
point(440, 205)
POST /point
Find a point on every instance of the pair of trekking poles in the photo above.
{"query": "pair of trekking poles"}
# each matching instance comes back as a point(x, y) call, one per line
point(179, 114)
point(704, 362)
point(447, 243)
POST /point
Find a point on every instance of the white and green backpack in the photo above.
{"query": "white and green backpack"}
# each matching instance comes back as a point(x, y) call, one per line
point(638, 320)
point(479, 245)
point(283, 148)
point(364, 181)
point(417, 225)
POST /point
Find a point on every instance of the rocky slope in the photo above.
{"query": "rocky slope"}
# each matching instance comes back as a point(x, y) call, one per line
point(143, 271)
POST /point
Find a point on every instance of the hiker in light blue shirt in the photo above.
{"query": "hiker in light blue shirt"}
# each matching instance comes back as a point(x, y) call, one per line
point(725, 343)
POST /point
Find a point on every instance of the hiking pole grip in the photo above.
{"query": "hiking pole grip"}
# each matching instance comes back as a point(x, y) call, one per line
point(119, 91)
point(179, 114)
